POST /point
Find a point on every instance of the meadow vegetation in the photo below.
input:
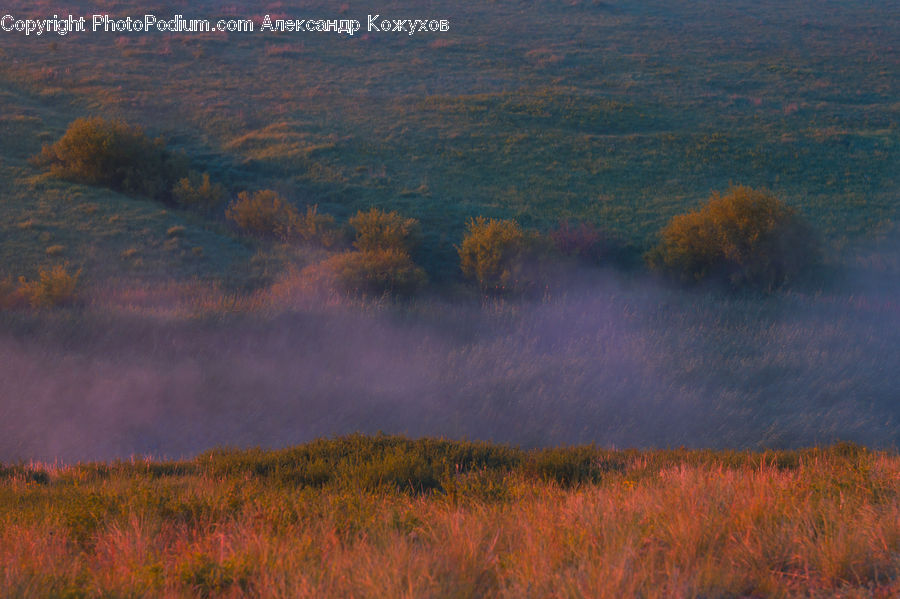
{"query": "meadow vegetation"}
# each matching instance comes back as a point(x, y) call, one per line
point(222, 250)
point(388, 516)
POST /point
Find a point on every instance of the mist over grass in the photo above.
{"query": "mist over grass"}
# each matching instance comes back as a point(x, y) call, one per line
point(613, 360)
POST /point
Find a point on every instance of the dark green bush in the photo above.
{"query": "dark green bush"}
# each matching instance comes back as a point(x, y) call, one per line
point(746, 237)
point(415, 466)
point(113, 154)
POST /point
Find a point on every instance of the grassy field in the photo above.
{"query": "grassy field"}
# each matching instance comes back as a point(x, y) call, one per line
point(622, 114)
point(386, 516)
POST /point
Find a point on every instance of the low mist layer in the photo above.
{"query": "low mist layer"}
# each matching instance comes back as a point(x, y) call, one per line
point(613, 361)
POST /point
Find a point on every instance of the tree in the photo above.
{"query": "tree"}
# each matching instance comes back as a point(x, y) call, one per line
point(380, 264)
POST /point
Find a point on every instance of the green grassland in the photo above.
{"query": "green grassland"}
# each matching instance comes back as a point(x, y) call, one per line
point(388, 516)
point(621, 114)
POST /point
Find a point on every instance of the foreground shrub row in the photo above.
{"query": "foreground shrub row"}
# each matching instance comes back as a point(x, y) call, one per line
point(391, 517)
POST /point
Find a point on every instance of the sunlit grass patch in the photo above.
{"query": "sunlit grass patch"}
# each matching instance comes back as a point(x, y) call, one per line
point(351, 516)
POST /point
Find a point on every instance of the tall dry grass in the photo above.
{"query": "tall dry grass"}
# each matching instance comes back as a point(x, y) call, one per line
point(825, 526)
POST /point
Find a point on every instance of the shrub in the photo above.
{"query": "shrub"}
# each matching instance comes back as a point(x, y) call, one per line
point(745, 237)
point(379, 230)
point(316, 228)
point(54, 287)
point(502, 257)
point(266, 214)
point(111, 153)
point(370, 272)
point(263, 213)
point(197, 192)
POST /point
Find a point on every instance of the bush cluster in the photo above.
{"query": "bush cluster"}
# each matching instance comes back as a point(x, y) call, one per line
point(745, 237)
point(503, 258)
point(263, 213)
point(314, 227)
point(267, 214)
point(380, 230)
point(372, 272)
point(113, 154)
point(382, 262)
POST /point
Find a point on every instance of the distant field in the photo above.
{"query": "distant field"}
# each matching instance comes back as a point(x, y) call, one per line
point(619, 113)
point(386, 516)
